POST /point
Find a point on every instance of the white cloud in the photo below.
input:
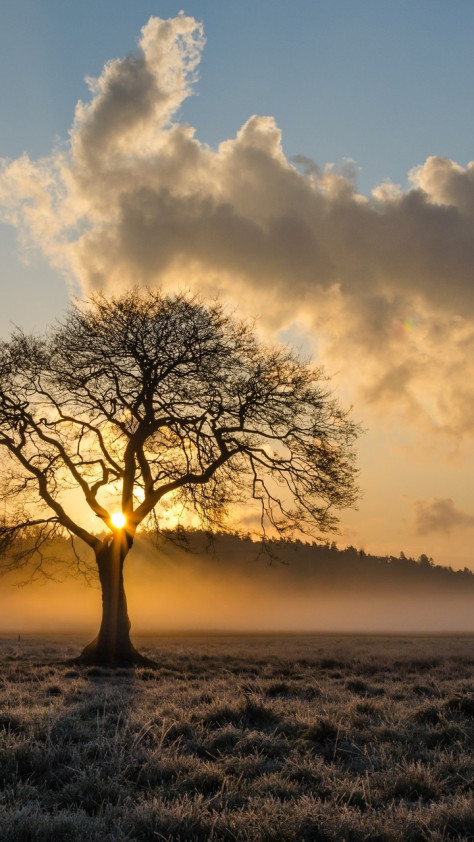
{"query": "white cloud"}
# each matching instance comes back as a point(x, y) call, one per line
point(136, 198)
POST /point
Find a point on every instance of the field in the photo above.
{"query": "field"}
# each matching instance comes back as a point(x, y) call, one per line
point(258, 738)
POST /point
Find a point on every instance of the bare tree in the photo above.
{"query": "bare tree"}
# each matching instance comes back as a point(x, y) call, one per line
point(148, 396)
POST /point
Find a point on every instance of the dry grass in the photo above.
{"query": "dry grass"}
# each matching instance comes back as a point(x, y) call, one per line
point(240, 738)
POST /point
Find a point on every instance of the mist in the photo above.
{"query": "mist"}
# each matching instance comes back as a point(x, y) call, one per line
point(230, 586)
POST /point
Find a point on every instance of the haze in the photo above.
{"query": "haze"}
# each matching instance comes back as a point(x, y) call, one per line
point(233, 588)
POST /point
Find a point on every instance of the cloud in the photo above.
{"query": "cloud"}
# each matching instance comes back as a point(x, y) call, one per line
point(439, 515)
point(385, 281)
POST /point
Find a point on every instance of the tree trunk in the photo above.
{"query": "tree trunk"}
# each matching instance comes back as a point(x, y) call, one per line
point(112, 646)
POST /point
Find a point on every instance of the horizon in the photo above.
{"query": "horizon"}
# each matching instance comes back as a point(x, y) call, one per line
point(183, 589)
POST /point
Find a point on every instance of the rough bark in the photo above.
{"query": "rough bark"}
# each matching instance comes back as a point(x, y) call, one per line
point(112, 646)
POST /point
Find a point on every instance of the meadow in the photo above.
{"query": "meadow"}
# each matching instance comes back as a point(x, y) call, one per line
point(262, 738)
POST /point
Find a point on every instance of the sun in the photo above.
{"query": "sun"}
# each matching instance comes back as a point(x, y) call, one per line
point(118, 520)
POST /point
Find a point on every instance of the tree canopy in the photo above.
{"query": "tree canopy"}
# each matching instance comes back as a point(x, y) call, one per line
point(146, 397)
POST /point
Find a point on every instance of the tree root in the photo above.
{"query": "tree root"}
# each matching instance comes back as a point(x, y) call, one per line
point(128, 656)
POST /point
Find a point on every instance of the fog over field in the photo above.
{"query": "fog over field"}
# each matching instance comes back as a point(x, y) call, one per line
point(231, 586)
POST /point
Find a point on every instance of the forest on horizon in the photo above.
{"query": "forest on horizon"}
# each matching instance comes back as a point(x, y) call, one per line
point(231, 584)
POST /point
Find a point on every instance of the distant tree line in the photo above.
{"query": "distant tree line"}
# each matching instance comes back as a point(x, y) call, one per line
point(315, 563)
point(325, 563)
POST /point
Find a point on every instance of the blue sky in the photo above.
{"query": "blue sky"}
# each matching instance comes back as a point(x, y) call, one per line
point(383, 83)
point(383, 288)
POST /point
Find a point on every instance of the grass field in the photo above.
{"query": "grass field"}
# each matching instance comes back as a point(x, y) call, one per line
point(240, 738)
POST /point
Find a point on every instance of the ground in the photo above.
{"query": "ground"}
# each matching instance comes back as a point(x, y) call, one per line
point(255, 738)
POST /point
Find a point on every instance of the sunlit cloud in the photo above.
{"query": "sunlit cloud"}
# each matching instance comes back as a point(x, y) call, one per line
point(134, 197)
point(440, 515)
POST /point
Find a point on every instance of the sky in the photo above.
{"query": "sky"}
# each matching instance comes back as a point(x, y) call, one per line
point(307, 162)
